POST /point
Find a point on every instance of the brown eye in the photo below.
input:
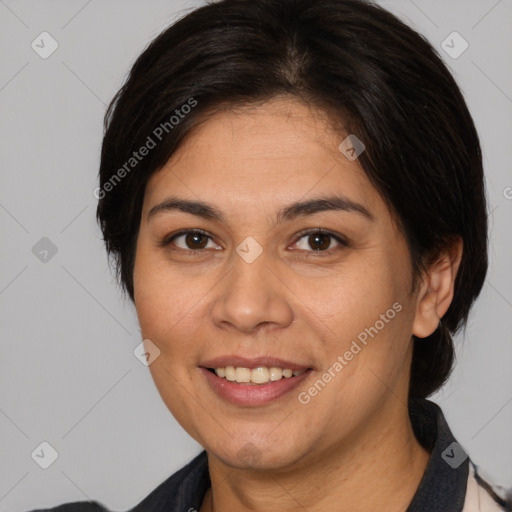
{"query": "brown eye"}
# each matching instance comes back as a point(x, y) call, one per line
point(189, 240)
point(195, 241)
point(320, 241)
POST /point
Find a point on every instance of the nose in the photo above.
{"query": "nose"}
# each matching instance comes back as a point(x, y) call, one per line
point(252, 295)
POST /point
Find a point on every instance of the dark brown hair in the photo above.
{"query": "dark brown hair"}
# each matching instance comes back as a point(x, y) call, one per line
point(374, 76)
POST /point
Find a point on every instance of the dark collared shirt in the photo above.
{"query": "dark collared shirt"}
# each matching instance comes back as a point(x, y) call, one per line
point(443, 487)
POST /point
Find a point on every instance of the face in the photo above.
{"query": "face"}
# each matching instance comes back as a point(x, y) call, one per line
point(258, 281)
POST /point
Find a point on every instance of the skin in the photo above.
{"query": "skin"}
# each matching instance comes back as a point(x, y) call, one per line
point(292, 302)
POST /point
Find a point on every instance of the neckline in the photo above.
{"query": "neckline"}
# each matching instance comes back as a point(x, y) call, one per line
point(444, 482)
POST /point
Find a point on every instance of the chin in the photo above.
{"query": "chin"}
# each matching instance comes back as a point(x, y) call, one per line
point(258, 455)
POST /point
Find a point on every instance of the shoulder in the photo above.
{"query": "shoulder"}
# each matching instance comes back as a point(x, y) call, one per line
point(182, 489)
point(77, 506)
point(481, 496)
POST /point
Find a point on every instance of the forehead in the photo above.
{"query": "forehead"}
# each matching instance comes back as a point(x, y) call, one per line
point(271, 154)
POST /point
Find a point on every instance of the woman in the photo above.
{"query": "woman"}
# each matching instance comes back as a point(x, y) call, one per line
point(292, 191)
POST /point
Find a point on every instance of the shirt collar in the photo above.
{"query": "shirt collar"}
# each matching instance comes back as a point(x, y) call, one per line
point(443, 486)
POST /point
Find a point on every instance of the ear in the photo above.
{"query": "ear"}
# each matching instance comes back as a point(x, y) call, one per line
point(437, 289)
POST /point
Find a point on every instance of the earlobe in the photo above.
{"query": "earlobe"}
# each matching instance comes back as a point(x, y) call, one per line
point(437, 290)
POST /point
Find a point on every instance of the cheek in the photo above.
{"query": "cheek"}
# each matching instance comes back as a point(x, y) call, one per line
point(354, 299)
point(169, 307)
point(164, 306)
point(156, 304)
point(369, 315)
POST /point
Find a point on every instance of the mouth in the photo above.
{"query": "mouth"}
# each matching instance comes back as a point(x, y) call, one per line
point(250, 383)
point(255, 376)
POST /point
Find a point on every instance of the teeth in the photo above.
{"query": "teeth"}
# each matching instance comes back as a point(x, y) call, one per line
point(275, 373)
point(230, 373)
point(260, 375)
point(243, 375)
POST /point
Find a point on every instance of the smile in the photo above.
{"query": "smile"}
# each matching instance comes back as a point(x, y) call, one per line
point(259, 375)
point(248, 393)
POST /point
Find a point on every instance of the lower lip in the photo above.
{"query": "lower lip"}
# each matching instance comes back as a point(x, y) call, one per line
point(258, 394)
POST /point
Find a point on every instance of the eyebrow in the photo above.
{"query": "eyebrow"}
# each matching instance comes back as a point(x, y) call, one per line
point(289, 212)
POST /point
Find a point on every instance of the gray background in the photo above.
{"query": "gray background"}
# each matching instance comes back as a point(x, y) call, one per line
point(68, 375)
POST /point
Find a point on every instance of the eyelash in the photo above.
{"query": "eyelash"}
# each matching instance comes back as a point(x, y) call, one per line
point(308, 232)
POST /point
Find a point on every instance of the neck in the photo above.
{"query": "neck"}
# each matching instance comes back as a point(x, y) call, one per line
point(379, 468)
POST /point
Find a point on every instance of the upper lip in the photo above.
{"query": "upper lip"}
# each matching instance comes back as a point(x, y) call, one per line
point(254, 362)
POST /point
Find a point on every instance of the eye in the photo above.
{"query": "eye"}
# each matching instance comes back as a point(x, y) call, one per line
point(316, 240)
point(320, 240)
point(189, 240)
